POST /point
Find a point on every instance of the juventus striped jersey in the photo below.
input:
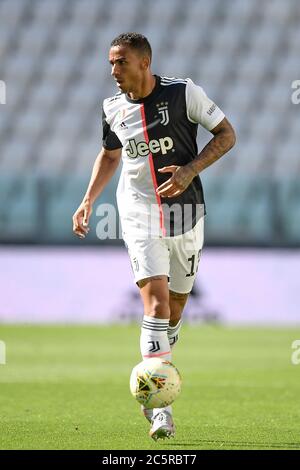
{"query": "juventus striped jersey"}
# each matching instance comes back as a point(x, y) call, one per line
point(157, 131)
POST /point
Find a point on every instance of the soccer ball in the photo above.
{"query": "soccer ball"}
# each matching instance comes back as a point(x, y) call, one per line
point(155, 383)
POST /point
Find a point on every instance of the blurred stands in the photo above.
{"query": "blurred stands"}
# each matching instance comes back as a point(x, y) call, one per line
point(53, 59)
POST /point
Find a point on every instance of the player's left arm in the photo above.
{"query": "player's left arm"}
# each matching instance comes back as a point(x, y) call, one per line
point(201, 110)
point(223, 140)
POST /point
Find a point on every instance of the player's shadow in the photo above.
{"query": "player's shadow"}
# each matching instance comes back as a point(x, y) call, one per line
point(222, 444)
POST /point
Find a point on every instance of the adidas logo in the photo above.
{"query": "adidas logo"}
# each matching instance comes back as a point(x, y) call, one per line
point(123, 126)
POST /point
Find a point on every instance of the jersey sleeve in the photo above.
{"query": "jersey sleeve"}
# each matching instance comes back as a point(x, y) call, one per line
point(110, 140)
point(201, 109)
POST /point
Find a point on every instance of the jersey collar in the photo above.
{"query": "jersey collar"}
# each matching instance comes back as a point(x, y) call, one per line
point(148, 97)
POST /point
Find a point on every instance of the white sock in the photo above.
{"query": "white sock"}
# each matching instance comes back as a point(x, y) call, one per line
point(154, 342)
point(173, 333)
point(154, 338)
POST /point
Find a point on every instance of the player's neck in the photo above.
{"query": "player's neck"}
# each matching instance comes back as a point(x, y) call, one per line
point(144, 88)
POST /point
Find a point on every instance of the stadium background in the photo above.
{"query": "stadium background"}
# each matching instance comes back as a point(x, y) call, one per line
point(54, 74)
point(54, 65)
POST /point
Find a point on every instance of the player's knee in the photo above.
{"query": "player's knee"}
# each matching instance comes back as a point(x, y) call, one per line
point(178, 299)
point(158, 309)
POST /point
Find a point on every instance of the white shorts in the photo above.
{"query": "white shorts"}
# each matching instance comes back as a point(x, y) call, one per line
point(176, 257)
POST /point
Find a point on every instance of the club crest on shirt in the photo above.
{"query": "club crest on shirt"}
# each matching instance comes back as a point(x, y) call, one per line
point(164, 112)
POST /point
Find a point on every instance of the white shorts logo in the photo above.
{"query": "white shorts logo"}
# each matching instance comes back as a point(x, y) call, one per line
point(164, 112)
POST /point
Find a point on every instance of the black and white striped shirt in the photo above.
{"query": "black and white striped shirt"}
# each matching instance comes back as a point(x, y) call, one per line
point(157, 131)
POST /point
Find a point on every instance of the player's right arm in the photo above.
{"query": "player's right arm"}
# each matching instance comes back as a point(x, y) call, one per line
point(104, 168)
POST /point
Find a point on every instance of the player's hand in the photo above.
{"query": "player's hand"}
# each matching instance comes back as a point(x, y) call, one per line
point(81, 219)
point(181, 178)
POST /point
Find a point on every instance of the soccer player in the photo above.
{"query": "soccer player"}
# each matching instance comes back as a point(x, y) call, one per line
point(152, 124)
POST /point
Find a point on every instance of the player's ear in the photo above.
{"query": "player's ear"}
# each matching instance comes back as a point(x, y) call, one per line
point(146, 62)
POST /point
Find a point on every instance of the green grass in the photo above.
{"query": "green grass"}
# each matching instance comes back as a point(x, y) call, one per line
point(67, 388)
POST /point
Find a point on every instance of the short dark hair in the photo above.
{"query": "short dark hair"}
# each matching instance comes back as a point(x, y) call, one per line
point(135, 40)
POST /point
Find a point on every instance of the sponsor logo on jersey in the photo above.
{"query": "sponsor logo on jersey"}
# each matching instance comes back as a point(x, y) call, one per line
point(211, 109)
point(164, 112)
point(142, 149)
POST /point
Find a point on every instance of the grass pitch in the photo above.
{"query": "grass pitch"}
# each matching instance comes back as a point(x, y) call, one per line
point(67, 388)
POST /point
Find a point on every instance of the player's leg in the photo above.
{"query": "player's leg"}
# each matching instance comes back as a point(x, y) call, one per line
point(150, 264)
point(154, 342)
point(177, 302)
point(154, 291)
point(154, 338)
point(185, 253)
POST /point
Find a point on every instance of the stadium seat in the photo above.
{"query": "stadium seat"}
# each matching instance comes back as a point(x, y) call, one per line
point(34, 39)
point(287, 158)
point(7, 187)
point(253, 68)
point(20, 65)
point(95, 71)
point(266, 126)
point(31, 124)
point(60, 69)
point(242, 12)
point(7, 37)
point(266, 39)
point(73, 38)
point(16, 156)
point(158, 12)
point(212, 69)
point(278, 97)
point(117, 16)
point(86, 14)
point(278, 13)
point(48, 12)
point(288, 208)
point(54, 156)
point(85, 154)
point(288, 68)
point(25, 222)
point(54, 61)
point(19, 221)
point(13, 12)
point(5, 122)
point(200, 13)
point(226, 39)
point(240, 98)
point(44, 95)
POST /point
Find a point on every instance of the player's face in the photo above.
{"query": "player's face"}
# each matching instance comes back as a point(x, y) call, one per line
point(128, 67)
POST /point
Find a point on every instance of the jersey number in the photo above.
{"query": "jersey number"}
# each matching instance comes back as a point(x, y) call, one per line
point(192, 260)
